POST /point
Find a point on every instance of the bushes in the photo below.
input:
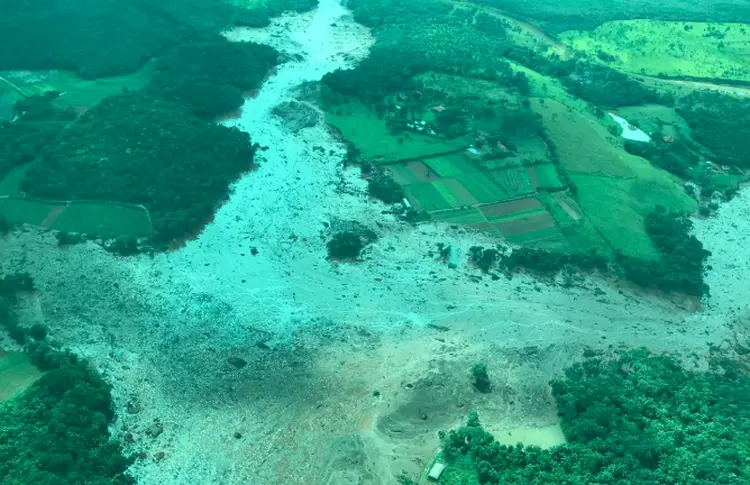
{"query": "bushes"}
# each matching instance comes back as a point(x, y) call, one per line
point(481, 379)
point(636, 419)
point(385, 188)
point(548, 263)
point(345, 245)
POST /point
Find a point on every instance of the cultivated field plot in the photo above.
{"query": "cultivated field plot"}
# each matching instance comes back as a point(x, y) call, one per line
point(16, 374)
point(514, 182)
point(695, 49)
point(98, 219)
point(544, 177)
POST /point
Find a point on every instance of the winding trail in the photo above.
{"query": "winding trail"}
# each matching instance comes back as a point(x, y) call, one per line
point(314, 336)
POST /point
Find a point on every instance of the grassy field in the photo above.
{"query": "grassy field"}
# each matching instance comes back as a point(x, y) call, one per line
point(696, 49)
point(93, 218)
point(361, 126)
point(548, 87)
point(16, 374)
point(98, 219)
point(654, 117)
point(74, 92)
point(615, 190)
point(617, 207)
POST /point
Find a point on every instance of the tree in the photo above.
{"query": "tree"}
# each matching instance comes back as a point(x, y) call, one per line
point(480, 377)
point(345, 245)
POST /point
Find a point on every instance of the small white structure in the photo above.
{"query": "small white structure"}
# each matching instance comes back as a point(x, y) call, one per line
point(436, 471)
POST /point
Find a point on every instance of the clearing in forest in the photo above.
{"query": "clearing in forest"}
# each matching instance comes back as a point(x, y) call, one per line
point(672, 49)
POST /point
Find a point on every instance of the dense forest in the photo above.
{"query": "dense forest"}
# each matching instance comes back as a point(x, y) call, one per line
point(561, 15)
point(209, 77)
point(97, 38)
point(57, 431)
point(135, 148)
point(721, 123)
point(638, 419)
point(419, 36)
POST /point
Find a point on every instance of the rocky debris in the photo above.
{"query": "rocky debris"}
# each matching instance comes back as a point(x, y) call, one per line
point(159, 456)
point(237, 362)
point(297, 115)
point(132, 407)
point(154, 430)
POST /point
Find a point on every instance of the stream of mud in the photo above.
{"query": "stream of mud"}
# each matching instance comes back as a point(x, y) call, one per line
point(258, 357)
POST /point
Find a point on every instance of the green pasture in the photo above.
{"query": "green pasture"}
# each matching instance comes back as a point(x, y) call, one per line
point(98, 219)
point(466, 88)
point(74, 91)
point(654, 117)
point(22, 211)
point(16, 374)
point(361, 126)
point(531, 148)
point(104, 220)
point(651, 47)
point(552, 239)
point(427, 197)
point(548, 87)
point(581, 142)
point(547, 177)
point(617, 208)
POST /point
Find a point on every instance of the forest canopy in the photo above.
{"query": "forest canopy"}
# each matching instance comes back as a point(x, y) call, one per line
point(209, 77)
point(98, 38)
point(638, 419)
point(136, 149)
point(56, 432)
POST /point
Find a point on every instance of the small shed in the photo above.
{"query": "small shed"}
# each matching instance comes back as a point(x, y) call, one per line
point(436, 471)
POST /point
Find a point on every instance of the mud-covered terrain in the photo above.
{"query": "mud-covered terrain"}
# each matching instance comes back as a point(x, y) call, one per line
point(247, 357)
